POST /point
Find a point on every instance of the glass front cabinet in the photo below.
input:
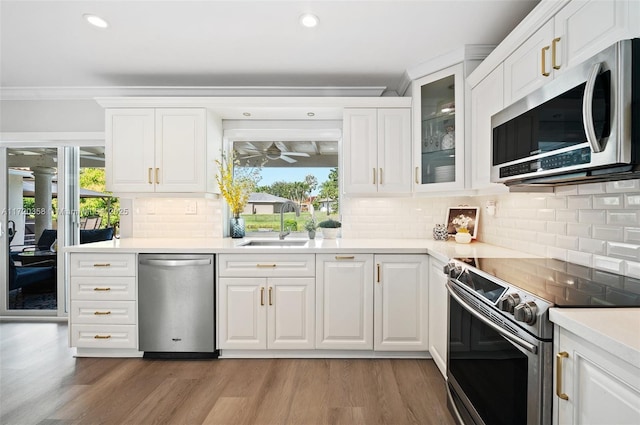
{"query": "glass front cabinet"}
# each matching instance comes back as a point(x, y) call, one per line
point(439, 130)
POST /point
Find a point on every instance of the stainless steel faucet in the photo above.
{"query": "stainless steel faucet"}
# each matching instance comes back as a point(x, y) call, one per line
point(283, 208)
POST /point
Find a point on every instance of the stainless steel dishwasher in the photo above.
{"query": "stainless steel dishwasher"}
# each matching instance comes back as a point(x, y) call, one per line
point(176, 305)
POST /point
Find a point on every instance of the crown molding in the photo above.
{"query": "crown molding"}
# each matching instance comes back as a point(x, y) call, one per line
point(89, 93)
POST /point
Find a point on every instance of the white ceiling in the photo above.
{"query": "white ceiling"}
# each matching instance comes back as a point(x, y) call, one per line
point(239, 43)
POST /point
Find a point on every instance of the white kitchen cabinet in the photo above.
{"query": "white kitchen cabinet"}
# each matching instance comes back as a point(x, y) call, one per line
point(438, 300)
point(265, 309)
point(344, 301)
point(579, 30)
point(438, 130)
point(596, 386)
point(401, 303)
point(377, 150)
point(486, 100)
point(165, 150)
point(103, 304)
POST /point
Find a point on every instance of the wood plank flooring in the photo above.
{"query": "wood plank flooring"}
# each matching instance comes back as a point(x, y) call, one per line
point(42, 383)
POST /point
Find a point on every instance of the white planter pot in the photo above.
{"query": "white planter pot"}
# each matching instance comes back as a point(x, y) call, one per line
point(329, 233)
point(463, 237)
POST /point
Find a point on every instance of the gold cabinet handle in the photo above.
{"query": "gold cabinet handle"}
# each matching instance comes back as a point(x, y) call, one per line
point(261, 295)
point(417, 175)
point(149, 176)
point(378, 270)
point(101, 289)
point(544, 61)
point(270, 295)
point(266, 266)
point(102, 265)
point(374, 176)
point(554, 50)
point(102, 337)
point(345, 257)
point(157, 176)
point(102, 313)
point(380, 179)
point(559, 358)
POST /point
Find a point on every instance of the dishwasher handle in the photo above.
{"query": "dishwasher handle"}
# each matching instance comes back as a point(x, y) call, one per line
point(176, 263)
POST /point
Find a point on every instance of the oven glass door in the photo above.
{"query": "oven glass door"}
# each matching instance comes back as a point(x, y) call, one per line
point(491, 372)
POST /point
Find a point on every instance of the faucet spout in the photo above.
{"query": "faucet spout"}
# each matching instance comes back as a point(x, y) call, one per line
point(285, 206)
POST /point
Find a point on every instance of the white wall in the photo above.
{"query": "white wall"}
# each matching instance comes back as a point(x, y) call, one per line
point(51, 116)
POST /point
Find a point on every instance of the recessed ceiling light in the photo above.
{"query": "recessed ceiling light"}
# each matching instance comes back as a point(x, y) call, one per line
point(246, 114)
point(311, 114)
point(95, 20)
point(308, 20)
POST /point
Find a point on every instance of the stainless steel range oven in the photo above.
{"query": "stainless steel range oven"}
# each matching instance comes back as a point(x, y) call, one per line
point(500, 339)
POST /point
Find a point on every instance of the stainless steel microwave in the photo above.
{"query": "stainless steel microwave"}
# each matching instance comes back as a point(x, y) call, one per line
point(584, 126)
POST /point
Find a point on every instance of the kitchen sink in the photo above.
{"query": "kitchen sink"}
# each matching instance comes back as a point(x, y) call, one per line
point(276, 243)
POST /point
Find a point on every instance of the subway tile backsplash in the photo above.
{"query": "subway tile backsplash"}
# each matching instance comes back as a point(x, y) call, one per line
point(176, 218)
point(596, 225)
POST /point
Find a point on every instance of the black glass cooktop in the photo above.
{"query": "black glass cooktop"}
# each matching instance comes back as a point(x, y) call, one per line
point(561, 283)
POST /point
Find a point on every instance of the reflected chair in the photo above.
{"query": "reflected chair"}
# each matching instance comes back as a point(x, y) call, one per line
point(96, 235)
point(23, 277)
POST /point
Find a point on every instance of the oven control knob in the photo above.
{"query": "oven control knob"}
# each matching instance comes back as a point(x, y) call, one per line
point(526, 312)
point(452, 270)
point(509, 302)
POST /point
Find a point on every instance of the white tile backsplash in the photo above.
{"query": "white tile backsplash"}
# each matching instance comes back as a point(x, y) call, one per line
point(176, 218)
point(596, 224)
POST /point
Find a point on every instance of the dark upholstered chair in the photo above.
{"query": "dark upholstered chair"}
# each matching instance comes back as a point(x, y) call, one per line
point(22, 277)
point(46, 239)
point(96, 235)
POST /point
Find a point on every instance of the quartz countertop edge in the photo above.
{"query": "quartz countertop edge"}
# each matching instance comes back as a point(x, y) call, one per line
point(615, 330)
point(443, 251)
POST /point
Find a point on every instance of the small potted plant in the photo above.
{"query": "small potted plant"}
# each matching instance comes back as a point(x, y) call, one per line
point(329, 228)
point(310, 226)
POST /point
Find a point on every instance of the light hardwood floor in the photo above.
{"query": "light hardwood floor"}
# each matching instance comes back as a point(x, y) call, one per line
point(42, 383)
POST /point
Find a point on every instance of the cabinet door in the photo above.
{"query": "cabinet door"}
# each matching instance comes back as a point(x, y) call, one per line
point(291, 315)
point(486, 100)
point(523, 71)
point(601, 388)
point(129, 149)
point(438, 314)
point(438, 131)
point(180, 156)
point(394, 150)
point(243, 313)
point(360, 149)
point(344, 301)
point(400, 306)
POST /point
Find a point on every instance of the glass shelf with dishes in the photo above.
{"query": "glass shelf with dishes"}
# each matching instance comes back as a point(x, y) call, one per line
point(436, 145)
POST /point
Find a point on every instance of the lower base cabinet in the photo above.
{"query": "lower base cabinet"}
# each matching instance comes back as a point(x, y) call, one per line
point(266, 313)
point(594, 386)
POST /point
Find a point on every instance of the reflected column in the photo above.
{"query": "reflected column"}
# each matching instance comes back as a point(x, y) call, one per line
point(43, 195)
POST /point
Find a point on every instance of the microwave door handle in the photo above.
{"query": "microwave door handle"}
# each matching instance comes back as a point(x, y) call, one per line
point(587, 111)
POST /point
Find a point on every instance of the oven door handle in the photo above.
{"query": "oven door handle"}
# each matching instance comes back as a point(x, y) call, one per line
point(510, 337)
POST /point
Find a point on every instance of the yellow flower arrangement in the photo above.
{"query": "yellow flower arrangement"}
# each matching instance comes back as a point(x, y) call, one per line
point(235, 187)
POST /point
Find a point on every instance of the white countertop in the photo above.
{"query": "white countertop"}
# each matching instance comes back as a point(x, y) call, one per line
point(441, 250)
point(616, 330)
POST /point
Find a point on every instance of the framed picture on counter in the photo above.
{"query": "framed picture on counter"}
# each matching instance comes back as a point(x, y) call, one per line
point(463, 217)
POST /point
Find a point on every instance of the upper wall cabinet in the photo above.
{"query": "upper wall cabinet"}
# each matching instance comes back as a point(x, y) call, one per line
point(377, 150)
point(439, 130)
point(167, 150)
point(578, 31)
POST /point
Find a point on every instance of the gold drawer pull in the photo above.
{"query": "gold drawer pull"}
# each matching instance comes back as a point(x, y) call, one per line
point(149, 176)
point(374, 176)
point(378, 269)
point(270, 295)
point(265, 266)
point(559, 357)
point(102, 313)
point(345, 257)
point(101, 289)
point(157, 176)
point(554, 48)
point(102, 265)
point(417, 175)
point(262, 295)
point(102, 337)
point(544, 61)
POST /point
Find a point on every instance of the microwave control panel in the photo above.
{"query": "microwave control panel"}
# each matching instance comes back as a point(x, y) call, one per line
point(561, 160)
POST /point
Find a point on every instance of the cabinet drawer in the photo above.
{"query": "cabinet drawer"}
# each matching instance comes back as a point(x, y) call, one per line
point(92, 264)
point(266, 265)
point(103, 288)
point(104, 336)
point(101, 312)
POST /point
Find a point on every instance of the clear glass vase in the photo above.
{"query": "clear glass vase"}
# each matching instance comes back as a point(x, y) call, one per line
point(236, 229)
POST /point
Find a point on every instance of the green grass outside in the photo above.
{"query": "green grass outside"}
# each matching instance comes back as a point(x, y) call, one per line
point(259, 222)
